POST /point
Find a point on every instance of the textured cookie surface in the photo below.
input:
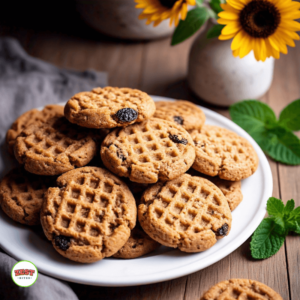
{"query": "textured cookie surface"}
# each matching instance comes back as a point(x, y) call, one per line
point(28, 118)
point(138, 244)
point(189, 212)
point(54, 147)
point(184, 113)
point(89, 216)
point(232, 190)
point(224, 153)
point(109, 107)
point(21, 195)
point(149, 151)
point(241, 289)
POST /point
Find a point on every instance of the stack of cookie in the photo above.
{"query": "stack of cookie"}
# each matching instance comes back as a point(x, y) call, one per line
point(115, 174)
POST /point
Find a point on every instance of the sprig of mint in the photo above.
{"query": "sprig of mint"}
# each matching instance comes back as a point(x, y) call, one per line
point(274, 136)
point(270, 235)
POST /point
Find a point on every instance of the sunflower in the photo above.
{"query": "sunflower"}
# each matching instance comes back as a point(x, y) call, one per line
point(264, 26)
point(159, 10)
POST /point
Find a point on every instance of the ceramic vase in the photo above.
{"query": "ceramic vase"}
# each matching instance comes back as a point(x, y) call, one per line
point(119, 18)
point(217, 77)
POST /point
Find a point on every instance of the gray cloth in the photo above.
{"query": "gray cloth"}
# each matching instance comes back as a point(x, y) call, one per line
point(26, 83)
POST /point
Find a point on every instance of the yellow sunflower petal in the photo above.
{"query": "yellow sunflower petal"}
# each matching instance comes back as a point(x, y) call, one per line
point(224, 37)
point(224, 22)
point(291, 15)
point(236, 4)
point(273, 42)
point(191, 2)
point(272, 51)
point(228, 15)
point(227, 7)
point(184, 11)
point(291, 25)
point(231, 28)
point(246, 47)
point(236, 53)
point(238, 40)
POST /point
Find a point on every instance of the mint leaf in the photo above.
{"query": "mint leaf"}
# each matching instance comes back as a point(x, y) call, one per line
point(289, 117)
point(295, 214)
point(289, 206)
point(259, 120)
point(275, 207)
point(266, 241)
point(215, 6)
point(194, 20)
point(215, 31)
point(297, 230)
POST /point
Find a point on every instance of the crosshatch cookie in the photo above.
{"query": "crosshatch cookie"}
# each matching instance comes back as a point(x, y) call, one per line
point(245, 289)
point(89, 216)
point(189, 213)
point(54, 147)
point(232, 190)
point(21, 195)
point(28, 118)
point(184, 113)
point(109, 107)
point(224, 153)
point(138, 244)
point(149, 151)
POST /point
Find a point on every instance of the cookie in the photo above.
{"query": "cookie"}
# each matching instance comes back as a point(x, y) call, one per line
point(149, 151)
point(189, 213)
point(138, 244)
point(89, 216)
point(109, 107)
point(224, 153)
point(21, 195)
point(54, 147)
point(184, 113)
point(245, 289)
point(30, 117)
point(232, 190)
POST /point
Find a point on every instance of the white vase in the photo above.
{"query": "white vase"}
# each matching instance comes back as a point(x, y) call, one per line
point(217, 77)
point(119, 18)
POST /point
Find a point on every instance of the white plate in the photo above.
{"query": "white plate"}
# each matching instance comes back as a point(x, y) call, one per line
point(24, 243)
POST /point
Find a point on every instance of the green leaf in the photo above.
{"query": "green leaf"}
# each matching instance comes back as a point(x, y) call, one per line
point(275, 207)
point(289, 207)
point(295, 214)
point(259, 120)
point(215, 6)
point(214, 31)
point(297, 230)
point(199, 2)
point(266, 241)
point(290, 116)
point(194, 20)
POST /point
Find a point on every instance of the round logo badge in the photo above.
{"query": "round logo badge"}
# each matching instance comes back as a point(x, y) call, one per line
point(24, 273)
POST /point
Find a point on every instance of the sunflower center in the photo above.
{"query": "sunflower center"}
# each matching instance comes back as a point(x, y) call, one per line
point(260, 18)
point(168, 3)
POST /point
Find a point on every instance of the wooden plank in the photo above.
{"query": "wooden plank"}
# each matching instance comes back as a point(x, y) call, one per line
point(286, 89)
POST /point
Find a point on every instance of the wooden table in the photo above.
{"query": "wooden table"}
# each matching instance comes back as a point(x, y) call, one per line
point(159, 69)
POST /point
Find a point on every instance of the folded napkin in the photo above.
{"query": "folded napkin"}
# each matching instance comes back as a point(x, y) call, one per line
point(26, 83)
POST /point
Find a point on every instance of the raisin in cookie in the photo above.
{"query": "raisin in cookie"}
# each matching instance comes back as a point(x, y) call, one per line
point(31, 117)
point(189, 213)
point(149, 151)
point(89, 216)
point(222, 152)
point(245, 289)
point(54, 147)
point(184, 113)
point(109, 107)
point(21, 195)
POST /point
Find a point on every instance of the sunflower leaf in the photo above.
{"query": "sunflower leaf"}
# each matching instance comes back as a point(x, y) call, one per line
point(215, 6)
point(289, 117)
point(214, 31)
point(259, 120)
point(194, 20)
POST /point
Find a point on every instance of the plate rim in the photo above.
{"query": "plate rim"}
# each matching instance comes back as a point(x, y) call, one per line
point(135, 280)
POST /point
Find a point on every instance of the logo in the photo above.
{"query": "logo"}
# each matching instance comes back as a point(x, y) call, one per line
point(24, 273)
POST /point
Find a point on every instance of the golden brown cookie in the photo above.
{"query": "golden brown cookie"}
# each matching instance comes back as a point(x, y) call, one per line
point(222, 152)
point(189, 213)
point(21, 195)
point(138, 244)
point(89, 216)
point(109, 107)
point(232, 190)
point(28, 118)
point(184, 113)
point(244, 289)
point(54, 147)
point(149, 151)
